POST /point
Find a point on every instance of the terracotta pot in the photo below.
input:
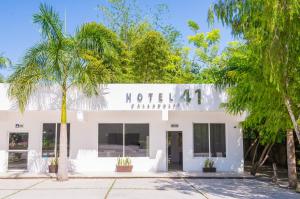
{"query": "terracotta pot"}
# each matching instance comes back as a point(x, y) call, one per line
point(208, 170)
point(124, 168)
point(53, 168)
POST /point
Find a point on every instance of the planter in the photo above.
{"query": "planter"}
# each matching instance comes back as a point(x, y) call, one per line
point(124, 168)
point(53, 168)
point(209, 170)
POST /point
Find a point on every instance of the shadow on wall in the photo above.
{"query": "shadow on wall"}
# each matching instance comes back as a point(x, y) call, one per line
point(36, 163)
point(49, 98)
point(3, 161)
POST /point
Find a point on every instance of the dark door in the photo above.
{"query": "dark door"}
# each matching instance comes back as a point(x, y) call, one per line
point(174, 149)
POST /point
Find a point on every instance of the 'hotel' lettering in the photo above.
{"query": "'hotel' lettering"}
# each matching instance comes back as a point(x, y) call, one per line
point(150, 97)
point(154, 98)
point(128, 97)
point(170, 98)
point(139, 97)
point(160, 97)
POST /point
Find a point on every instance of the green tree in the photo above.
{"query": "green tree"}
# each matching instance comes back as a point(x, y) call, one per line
point(151, 56)
point(133, 25)
point(249, 91)
point(128, 20)
point(81, 61)
point(270, 29)
point(205, 56)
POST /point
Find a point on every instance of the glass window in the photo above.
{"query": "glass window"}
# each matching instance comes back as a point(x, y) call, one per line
point(18, 141)
point(49, 140)
point(201, 142)
point(17, 160)
point(17, 151)
point(110, 140)
point(137, 140)
point(51, 137)
point(217, 140)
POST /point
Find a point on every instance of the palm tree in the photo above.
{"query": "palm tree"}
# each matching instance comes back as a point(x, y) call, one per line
point(81, 61)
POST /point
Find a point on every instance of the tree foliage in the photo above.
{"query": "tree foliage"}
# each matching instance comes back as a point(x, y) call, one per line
point(249, 91)
point(126, 18)
point(151, 56)
point(206, 56)
point(134, 26)
point(271, 31)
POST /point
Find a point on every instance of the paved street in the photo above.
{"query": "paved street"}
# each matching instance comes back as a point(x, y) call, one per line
point(140, 188)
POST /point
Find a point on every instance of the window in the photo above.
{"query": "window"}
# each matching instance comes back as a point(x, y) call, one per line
point(49, 134)
point(51, 138)
point(201, 144)
point(209, 140)
point(136, 140)
point(217, 140)
point(117, 139)
point(110, 140)
point(18, 151)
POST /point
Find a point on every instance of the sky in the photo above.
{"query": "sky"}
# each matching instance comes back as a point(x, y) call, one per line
point(18, 32)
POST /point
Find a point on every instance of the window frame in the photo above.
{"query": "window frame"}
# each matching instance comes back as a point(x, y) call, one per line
point(98, 140)
point(225, 152)
point(209, 139)
point(123, 141)
point(56, 146)
point(17, 150)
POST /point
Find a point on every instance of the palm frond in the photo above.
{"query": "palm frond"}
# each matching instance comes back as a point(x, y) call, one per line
point(88, 73)
point(1, 79)
point(29, 75)
point(98, 38)
point(51, 25)
point(23, 82)
point(85, 68)
point(4, 62)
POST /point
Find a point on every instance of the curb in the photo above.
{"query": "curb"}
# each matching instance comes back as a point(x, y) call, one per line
point(136, 177)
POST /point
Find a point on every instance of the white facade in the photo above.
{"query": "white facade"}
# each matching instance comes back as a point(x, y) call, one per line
point(165, 107)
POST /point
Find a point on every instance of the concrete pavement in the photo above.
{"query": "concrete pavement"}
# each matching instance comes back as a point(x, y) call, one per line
point(141, 188)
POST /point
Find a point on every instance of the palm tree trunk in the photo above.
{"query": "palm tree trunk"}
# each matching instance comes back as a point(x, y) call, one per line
point(62, 174)
point(291, 158)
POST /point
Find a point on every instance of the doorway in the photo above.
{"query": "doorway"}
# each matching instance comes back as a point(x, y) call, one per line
point(18, 151)
point(174, 150)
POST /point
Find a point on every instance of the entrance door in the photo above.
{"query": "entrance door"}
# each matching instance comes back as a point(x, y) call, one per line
point(174, 149)
point(17, 151)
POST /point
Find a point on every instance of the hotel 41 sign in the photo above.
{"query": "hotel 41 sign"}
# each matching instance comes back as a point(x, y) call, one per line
point(170, 100)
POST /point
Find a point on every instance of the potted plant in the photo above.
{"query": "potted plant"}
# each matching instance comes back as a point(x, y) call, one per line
point(209, 166)
point(53, 167)
point(124, 164)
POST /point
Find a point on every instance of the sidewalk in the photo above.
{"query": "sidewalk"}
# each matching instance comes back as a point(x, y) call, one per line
point(91, 175)
point(266, 173)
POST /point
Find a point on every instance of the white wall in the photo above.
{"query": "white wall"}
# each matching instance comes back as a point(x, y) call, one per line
point(84, 139)
point(234, 140)
point(111, 106)
point(113, 97)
